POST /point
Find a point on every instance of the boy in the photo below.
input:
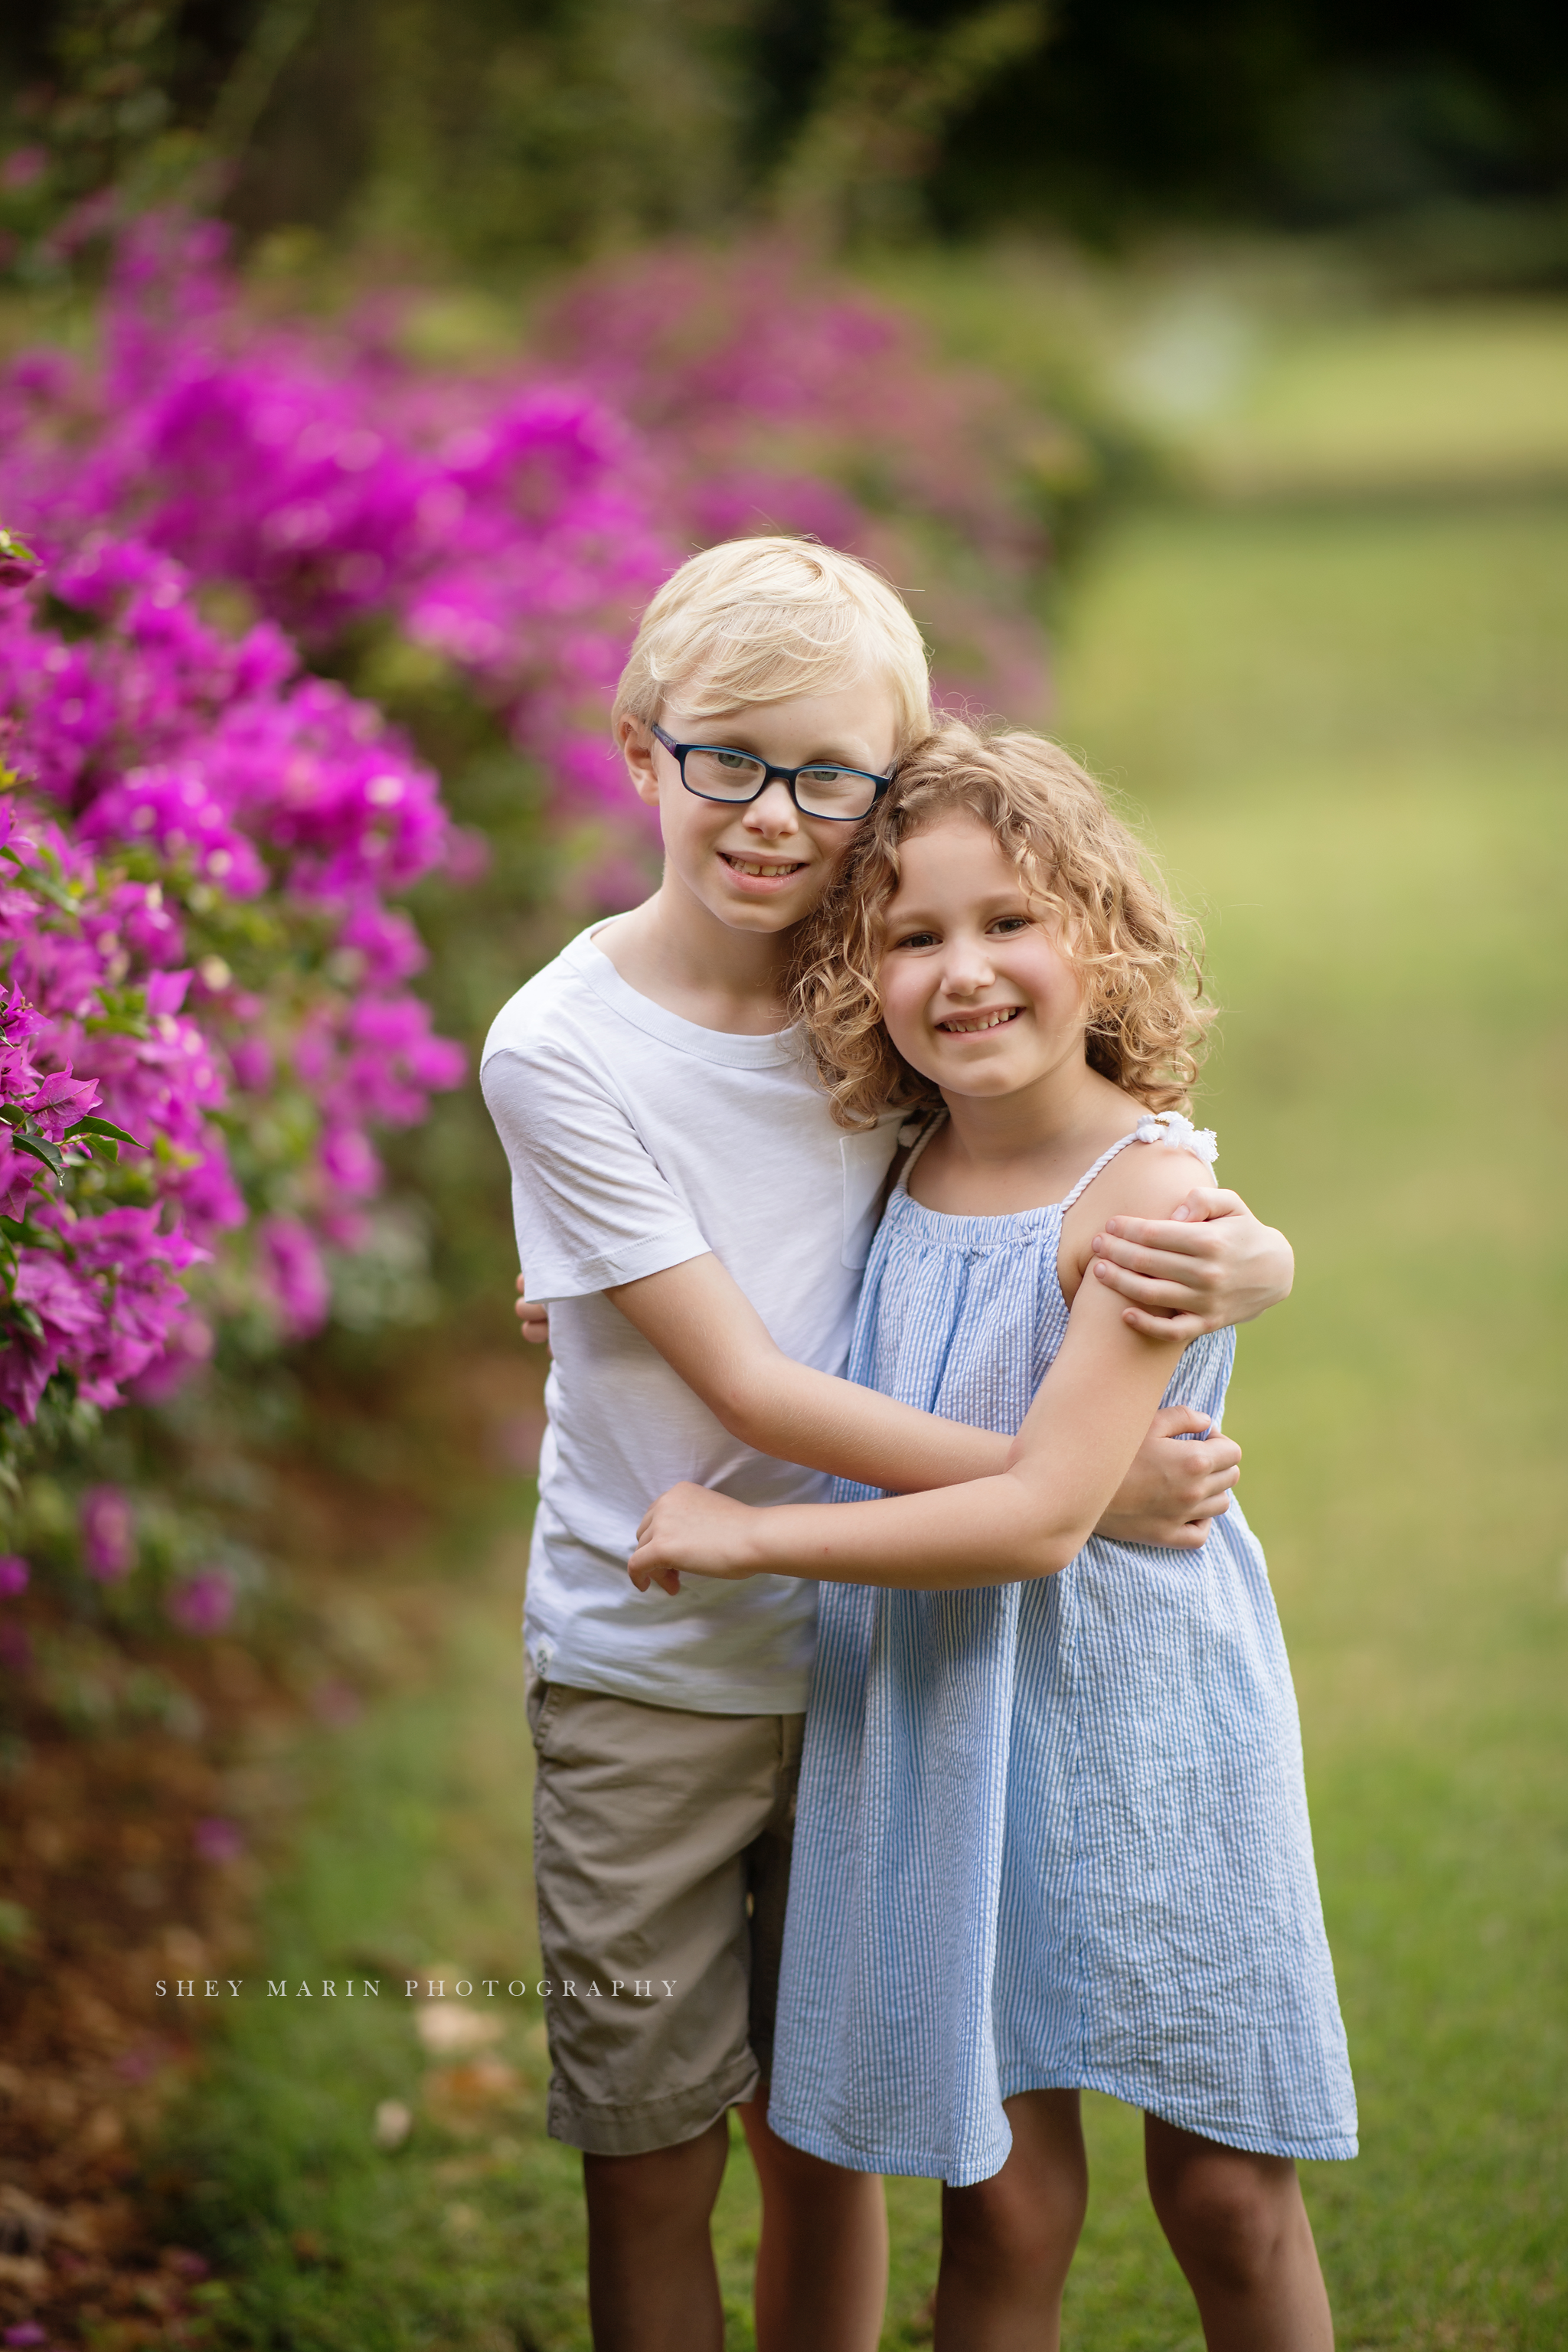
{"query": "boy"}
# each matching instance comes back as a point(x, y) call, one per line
point(696, 1225)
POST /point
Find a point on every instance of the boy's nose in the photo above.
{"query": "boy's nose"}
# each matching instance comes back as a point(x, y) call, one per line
point(773, 813)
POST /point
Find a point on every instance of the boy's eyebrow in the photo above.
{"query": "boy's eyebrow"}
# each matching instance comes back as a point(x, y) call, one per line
point(729, 734)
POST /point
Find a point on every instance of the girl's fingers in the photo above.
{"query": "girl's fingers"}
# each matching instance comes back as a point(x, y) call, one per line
point(642, 1576)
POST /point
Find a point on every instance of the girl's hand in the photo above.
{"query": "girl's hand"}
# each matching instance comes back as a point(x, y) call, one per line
point(1208, 1265)
point(691, 1527)
point(532, 1321)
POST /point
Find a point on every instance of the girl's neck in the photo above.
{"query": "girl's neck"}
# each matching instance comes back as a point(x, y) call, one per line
point(1001, 1153)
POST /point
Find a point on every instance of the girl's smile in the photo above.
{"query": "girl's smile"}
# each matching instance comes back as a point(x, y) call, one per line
point(968, 1025)
point(977, 991)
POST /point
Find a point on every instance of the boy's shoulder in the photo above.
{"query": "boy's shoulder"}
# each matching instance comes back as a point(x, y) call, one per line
point(547, 1009)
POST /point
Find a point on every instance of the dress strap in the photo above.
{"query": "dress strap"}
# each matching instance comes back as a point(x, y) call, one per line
point(917, 1138)
point(1086, 1179)
point(1166, 1127)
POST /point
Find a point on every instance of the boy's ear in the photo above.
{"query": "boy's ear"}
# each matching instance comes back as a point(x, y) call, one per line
point(636, 751)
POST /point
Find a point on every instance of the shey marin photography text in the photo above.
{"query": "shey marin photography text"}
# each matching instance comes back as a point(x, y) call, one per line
point(612, 1988)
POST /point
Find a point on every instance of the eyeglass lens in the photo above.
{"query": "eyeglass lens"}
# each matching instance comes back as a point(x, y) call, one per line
point(719, 775)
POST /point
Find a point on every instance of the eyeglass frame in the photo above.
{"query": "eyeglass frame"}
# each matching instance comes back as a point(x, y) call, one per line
point(787, 777)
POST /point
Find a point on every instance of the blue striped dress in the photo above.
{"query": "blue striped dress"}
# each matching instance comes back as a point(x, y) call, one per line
point(1050, 1834)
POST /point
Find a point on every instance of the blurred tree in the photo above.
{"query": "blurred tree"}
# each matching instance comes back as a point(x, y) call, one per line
point(870, 134)
point(1302, 112)
point(501, 131)
point(559, 129)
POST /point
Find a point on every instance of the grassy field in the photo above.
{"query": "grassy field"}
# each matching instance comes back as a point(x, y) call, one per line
point(1345, 727)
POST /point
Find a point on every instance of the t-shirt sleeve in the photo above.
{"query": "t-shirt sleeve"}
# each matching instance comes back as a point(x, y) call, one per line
point(591, 1208)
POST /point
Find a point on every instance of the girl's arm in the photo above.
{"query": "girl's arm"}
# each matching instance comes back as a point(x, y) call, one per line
point(706, 1329)
point(1026, 1520)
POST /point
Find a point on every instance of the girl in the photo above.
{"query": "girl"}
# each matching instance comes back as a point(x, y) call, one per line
point(1053, 1830)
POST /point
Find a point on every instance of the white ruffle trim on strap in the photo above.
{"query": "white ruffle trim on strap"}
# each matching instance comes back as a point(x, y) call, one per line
point(1178, 1134)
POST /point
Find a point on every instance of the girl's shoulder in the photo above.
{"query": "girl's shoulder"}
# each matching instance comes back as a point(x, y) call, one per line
point(1150, 1176)
point(1153, 1173)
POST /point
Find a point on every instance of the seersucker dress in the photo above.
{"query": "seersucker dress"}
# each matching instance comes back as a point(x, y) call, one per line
point(1055, 1832)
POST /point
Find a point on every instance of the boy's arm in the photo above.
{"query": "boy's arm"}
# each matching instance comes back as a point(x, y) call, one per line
point(1208, 1265)
point(707, 1331)
point(1031, 1519)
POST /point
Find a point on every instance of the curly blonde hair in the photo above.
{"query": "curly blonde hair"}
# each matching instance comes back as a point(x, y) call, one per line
point(1141, 959)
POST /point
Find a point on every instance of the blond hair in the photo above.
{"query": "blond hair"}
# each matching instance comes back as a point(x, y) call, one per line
point(1143, 977)
point(759, 620)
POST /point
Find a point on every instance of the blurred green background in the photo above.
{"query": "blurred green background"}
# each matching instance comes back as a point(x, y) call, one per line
point(1298, 278)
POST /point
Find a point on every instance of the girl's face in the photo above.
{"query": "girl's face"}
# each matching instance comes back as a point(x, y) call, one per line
point(977, 991)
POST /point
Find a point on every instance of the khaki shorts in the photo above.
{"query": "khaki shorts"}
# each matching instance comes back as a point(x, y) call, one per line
point(661, 1844)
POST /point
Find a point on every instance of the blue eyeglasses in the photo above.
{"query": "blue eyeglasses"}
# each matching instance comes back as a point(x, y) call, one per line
point(716, 773)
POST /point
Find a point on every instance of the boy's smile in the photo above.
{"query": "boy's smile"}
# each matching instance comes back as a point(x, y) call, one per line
point(761, 866)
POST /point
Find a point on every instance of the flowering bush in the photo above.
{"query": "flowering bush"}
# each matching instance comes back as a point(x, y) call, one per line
point(203, 1008)
point(779, 401)
point(194, 941)
point(513, 519)
point(205, 1019)
point(505, 524)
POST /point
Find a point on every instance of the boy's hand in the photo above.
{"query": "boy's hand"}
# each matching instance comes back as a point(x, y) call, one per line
point(1176, 1486)
point(532, 1321)
point(691, 1527)
point(1209, 1265)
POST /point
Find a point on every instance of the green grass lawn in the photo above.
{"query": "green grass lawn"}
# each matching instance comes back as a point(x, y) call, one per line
point(1346, 731)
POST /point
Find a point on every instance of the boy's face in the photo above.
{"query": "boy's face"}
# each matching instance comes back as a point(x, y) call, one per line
point(762, 865)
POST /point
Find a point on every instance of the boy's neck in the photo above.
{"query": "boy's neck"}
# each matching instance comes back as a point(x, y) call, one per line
point(673, 950)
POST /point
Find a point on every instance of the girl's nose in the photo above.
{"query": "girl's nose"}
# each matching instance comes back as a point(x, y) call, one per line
point(773, 813)
point(967, 969)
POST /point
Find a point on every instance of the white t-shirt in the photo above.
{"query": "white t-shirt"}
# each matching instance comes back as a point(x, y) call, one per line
point(637, 1140)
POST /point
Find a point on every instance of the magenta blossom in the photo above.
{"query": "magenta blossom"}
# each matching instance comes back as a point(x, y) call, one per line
point(108, 1533)
point(204, 1603)
point(295, 1276)
point(218, 1840)
point(14, 1574)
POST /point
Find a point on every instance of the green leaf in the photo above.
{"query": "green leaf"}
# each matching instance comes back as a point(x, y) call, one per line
point(105, 1128)
point(48, 886)
point(37, 1146)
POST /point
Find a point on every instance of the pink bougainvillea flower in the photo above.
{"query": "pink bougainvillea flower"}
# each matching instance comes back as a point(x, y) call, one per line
point(218, 1840)
point(108, 1533)
point(204, 1603)
point(300, 1291)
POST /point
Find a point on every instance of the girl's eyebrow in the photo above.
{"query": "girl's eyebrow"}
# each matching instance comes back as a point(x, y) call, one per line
point(1000, 902)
